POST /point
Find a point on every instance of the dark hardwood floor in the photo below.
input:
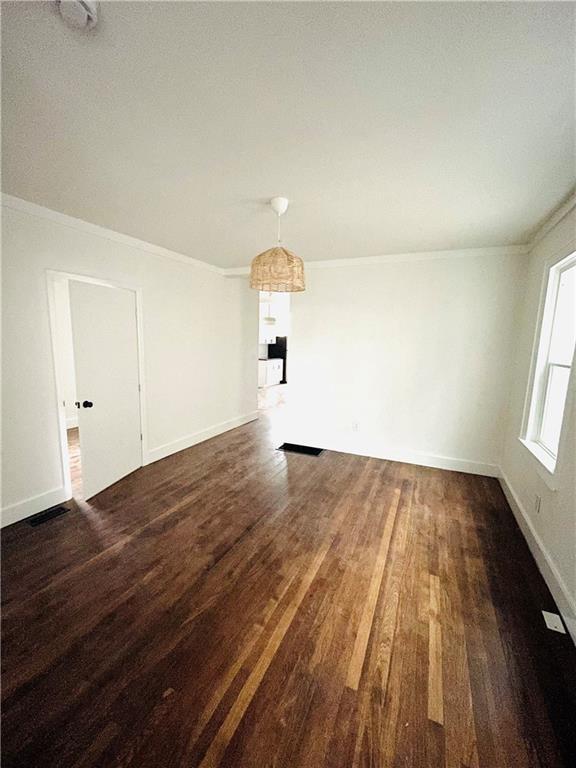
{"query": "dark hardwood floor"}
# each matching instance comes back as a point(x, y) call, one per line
point(234, 605)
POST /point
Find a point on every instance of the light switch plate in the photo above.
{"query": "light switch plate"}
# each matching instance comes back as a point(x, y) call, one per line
point(553, 621)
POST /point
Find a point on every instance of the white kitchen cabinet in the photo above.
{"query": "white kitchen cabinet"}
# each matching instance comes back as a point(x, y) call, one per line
point(262, 373)
point(274, 316)
point(267, 323)
point(270, 372)
point(267, 335)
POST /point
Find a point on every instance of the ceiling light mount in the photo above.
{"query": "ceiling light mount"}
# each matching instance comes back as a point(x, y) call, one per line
point(279, 205)
point(79, 14)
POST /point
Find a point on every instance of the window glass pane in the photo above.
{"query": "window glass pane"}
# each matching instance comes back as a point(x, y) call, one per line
point(564, 325)
point(554, 407)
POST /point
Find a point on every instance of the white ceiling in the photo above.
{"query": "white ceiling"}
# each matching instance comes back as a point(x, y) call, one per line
point(392, 127)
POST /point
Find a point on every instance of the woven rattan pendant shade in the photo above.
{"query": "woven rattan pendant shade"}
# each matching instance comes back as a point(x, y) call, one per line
point(277, 270)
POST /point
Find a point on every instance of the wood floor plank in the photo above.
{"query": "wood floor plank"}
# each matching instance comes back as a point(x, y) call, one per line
point(359, 652)
point(372, 720)
point(459, 729)
point(435, 685)
point(233, 605)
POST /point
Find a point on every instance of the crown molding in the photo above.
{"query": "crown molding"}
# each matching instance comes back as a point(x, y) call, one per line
point(33, 209)
point(553, 218)
point(236, 271)
point(457, 253)
point(17, 204)
point(502, 250)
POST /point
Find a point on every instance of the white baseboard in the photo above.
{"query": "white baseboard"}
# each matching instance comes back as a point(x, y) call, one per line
point(34, 504)
point(155, 454)
point(564, 600)
point(376, 451)
point(438, 462)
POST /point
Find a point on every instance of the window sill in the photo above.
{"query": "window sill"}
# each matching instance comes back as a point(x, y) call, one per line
point(545, 466)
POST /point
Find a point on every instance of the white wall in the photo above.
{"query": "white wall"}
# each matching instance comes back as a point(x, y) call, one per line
point(552, 532)
point(415, 352)
point(189, 311)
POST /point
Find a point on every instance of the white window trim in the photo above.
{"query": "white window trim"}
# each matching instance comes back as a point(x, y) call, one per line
point(535, 395)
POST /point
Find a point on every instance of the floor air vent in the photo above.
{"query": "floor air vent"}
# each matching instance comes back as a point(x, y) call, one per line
point(293, 448)
point(48, 514)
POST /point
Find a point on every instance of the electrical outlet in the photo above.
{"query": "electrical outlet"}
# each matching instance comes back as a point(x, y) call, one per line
point(355, 426)
point(537, 503)
point(553, 622)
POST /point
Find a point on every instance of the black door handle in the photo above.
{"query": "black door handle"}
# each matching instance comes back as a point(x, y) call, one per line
point(87, 404)
point(77, 404)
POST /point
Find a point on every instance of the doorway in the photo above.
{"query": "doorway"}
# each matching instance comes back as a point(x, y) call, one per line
point(97, 358)
point(75, 462)
point(64, 359)
point(273, 350)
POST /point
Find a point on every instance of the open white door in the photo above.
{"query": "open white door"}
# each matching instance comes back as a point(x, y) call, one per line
point(105, 336)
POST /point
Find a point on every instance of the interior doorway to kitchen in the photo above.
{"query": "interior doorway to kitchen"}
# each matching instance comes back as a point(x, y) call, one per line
point(273, 350)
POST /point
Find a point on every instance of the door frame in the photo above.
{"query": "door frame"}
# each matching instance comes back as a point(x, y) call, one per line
point(56, 276)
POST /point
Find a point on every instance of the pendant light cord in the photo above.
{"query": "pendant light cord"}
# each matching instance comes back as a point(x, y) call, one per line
point(278, 231)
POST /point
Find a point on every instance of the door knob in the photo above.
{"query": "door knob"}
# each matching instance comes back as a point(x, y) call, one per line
point(87, 404)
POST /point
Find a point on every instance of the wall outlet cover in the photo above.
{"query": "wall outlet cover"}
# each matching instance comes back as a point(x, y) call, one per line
point(554, 622)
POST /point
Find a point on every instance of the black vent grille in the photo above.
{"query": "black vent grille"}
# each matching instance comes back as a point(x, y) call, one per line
point(47, 514)
point(306, 449)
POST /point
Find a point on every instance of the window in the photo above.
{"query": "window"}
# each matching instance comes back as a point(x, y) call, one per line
point(555, 354)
